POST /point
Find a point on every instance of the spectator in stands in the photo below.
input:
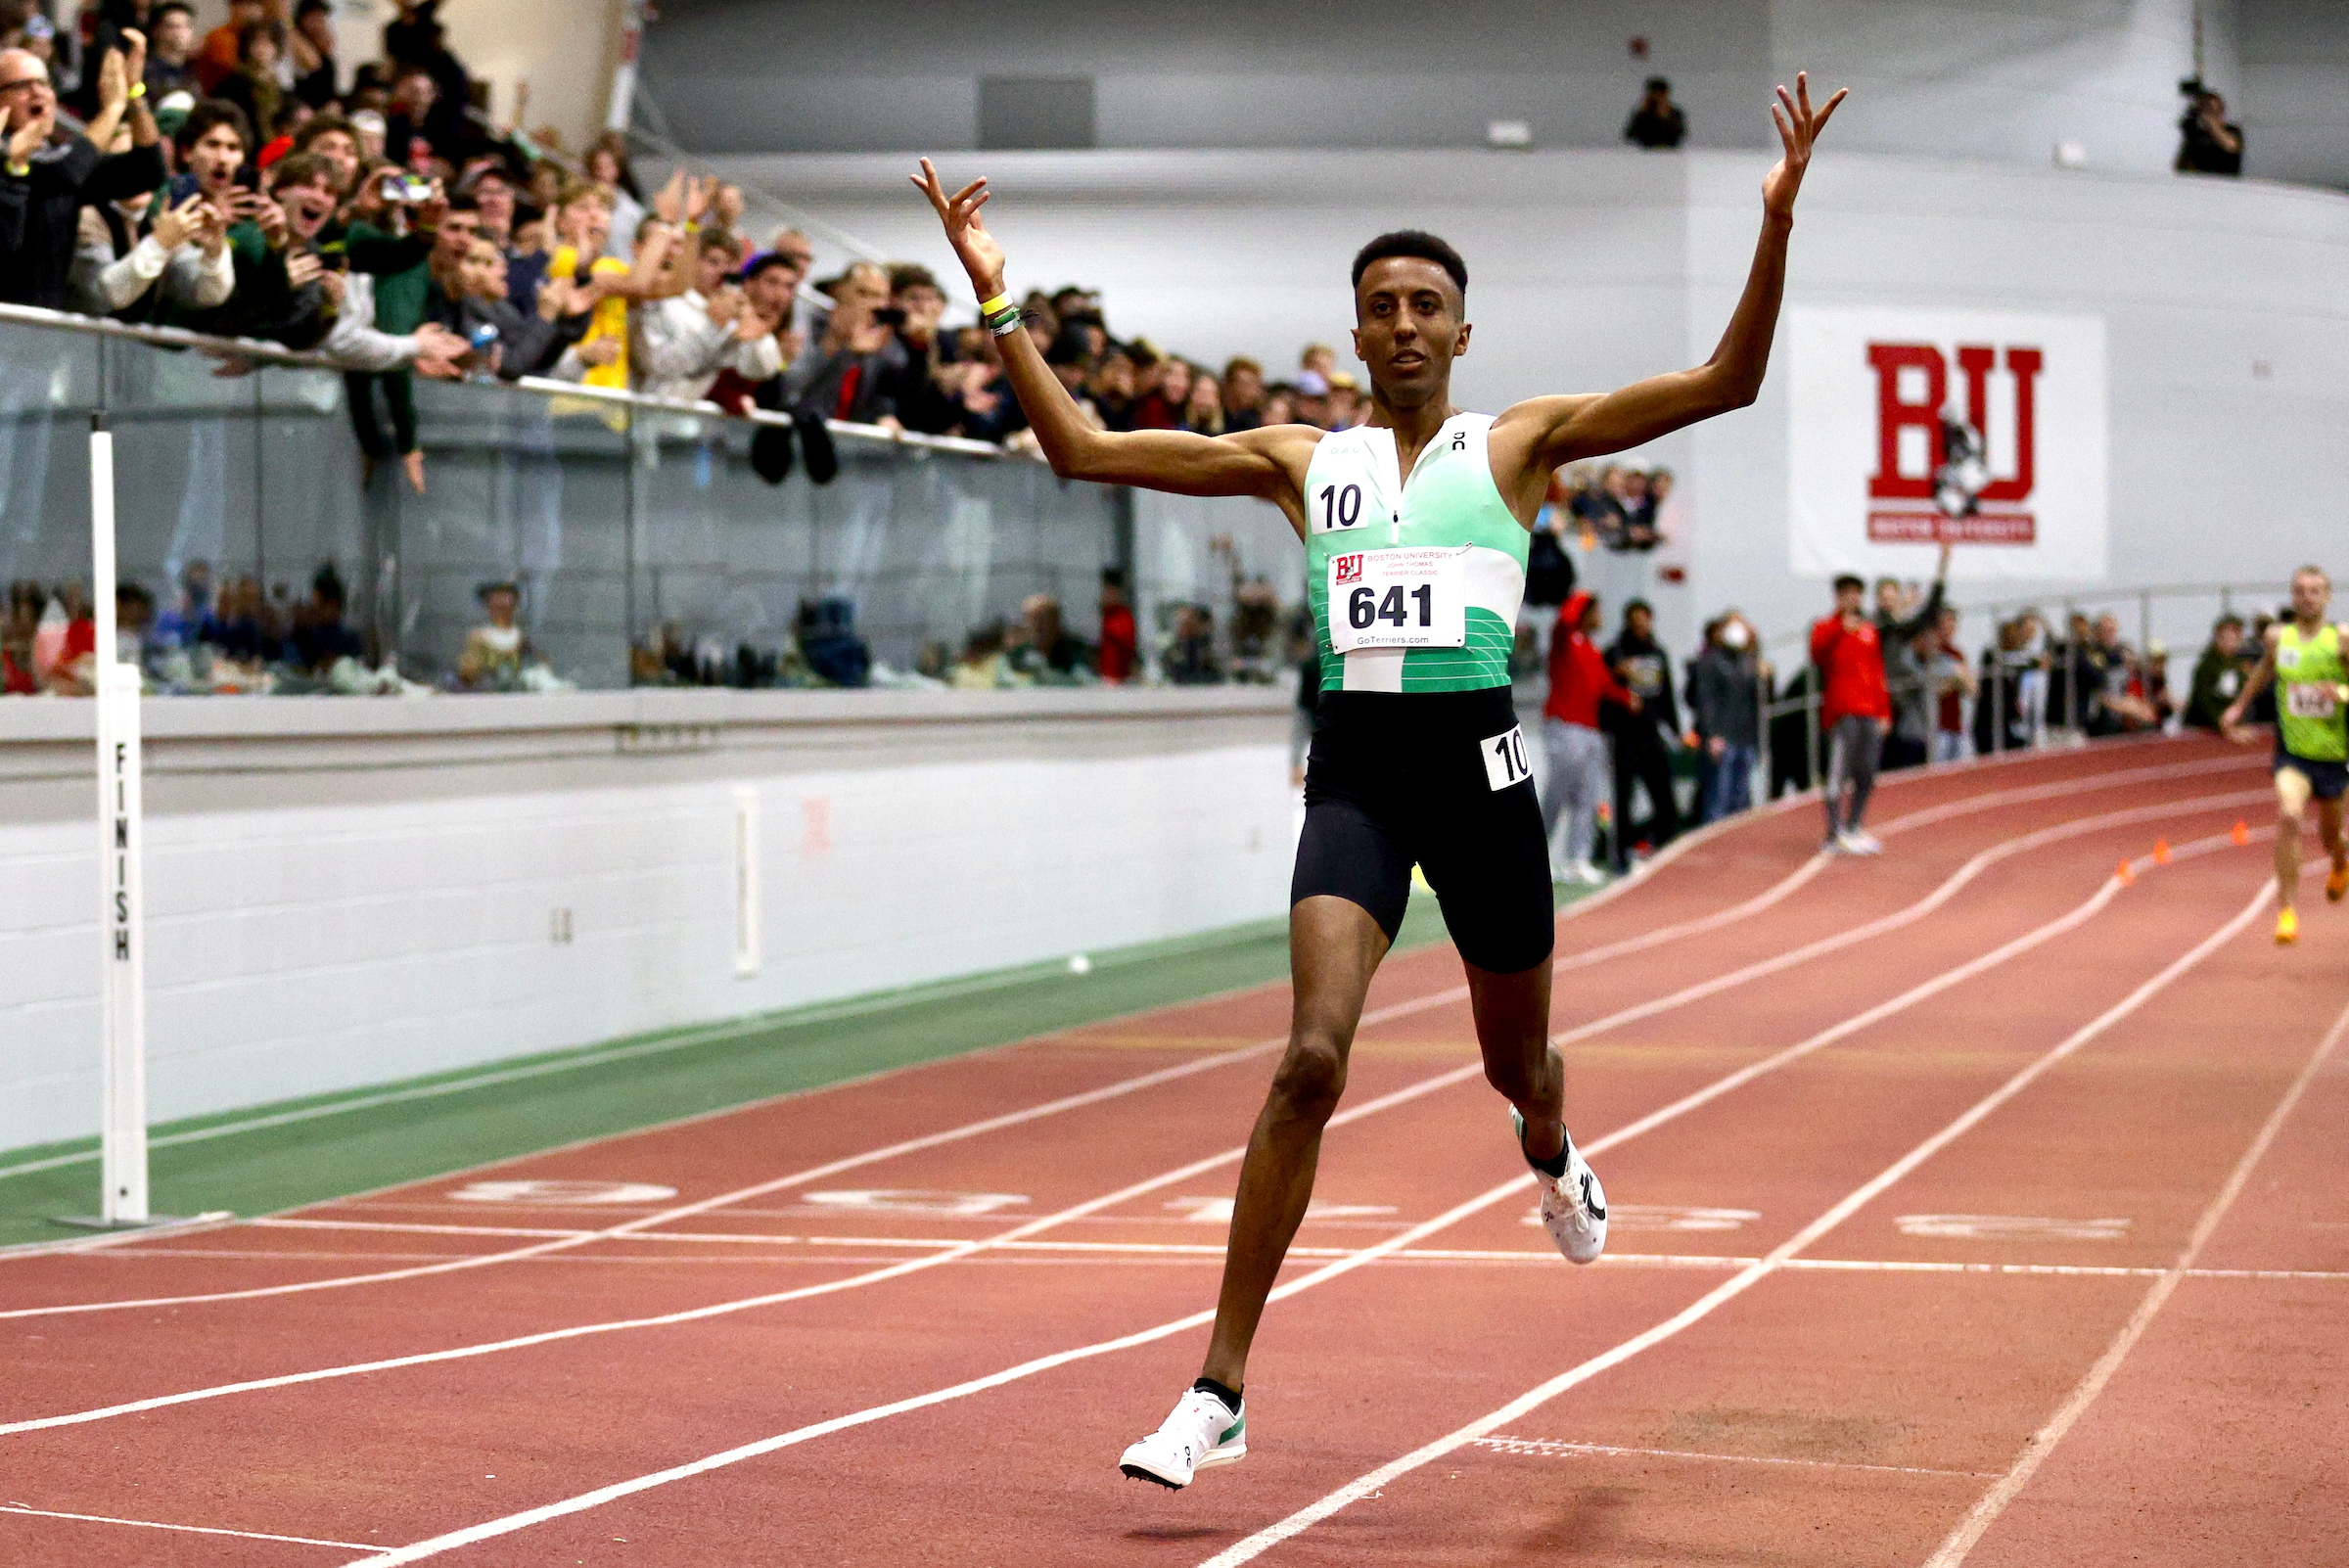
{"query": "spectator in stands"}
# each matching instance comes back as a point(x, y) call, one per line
point(172, 46)
point(1120, 641)
point(981, 666)
point(1109, 387)
point(928, 396)
point(606, 165)
point(2123, 702)
point(1900, 619)
point(1190, 658)
point(1308, 404)
point(1162, 407)
point(1243, 394)
point(71, 668)
point(532, 343)
point(134, 622)
point(1848, 649)
point(768, 284)
point(495, 654)
point(1727, 683)
point(253, 85)
point(330, 137)
point(311, 47)
point(46, 177)
point(216, 61)
point(2208, 142)
point(22, 614)
point(1949, 684)
point(683, 341)
point(2006, 697)
point(2219, 673)
point(128, 268)
point(1657, 123)
point(1643, 734)
point(1203, 411)
point(1577, 747)
point(319, 635)
point(583, 224)
point(1344, 401)
point(848, 373)
point(1047, 655)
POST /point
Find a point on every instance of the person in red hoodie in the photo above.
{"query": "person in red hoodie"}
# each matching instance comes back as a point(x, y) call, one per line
point(1579, 773)
point(1854, 714)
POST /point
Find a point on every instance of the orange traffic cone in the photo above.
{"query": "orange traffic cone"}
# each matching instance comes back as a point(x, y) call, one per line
point(2126, 875)
point(2242, 834)
point(2161, 851)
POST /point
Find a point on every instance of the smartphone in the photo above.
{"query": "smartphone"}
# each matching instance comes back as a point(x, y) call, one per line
point(181, 188)
point(415, 190)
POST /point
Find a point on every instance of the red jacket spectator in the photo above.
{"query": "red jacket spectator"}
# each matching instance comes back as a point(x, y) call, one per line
point(1579, 675)
point(1121, 639)
point(1851, 664)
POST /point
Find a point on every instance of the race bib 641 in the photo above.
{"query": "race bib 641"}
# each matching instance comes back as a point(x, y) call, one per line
point(1399, 599)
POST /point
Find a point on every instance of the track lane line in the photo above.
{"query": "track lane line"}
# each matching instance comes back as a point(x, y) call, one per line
point(1994, 1502)
point(958, 1251)
point(1255, 1546)
point(2104, 895)
point(193, 1530)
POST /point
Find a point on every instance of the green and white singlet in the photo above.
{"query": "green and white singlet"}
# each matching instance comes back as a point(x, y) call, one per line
point(1415, 581)
point(2309, 674)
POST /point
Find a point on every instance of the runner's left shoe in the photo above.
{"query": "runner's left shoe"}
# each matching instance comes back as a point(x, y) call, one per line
point(1203, 1431)
point(1859, 841)
point(2287, 926)
point(1574, 1207)
point(2336, 886)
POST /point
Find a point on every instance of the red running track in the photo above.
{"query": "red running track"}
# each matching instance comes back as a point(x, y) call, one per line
point(1970, 1206)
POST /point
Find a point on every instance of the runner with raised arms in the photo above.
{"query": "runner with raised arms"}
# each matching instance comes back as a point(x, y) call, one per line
point(1416, 528)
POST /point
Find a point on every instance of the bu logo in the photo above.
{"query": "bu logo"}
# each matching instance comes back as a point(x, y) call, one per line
point(1349, 569)
point(1937, 484)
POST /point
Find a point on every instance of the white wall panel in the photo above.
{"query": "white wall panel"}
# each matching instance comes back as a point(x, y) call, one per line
point(296, 950)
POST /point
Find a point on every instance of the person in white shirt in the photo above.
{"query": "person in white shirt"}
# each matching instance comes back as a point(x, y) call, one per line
point(684, 341)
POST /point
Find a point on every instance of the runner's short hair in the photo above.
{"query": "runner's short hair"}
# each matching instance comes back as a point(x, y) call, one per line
point(1848, 580)
point(1416, 243)
point(2312, 570)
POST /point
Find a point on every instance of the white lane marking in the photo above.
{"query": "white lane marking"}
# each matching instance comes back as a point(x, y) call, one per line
point(2009, 1227)
point(291, 1223)
point(1395, 1244)
point(193, 1530)
point(562, 1194)
point(2041, 1443)
point(1546, 1448)
point(1463, 1074)
point(1625, 1216)
point(1217, 1211)
point(904, 1201)
point(1746, 1278)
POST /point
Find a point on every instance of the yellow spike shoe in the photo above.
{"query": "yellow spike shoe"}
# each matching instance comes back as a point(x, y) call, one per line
point(2336, 886)
point(2287, 926)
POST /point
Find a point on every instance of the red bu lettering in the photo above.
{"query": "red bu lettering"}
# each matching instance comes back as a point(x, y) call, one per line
point(1896, 413)
point(1349, 569)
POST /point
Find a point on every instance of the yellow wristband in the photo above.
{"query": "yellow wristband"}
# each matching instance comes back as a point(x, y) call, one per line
point(18, 171)
point(987, 307)
point(138, 89)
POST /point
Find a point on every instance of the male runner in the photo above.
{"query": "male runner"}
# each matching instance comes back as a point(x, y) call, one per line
point(2305, 657)
point(1416, 528)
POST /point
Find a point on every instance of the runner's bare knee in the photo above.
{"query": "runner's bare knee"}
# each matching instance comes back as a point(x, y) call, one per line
point(1311, 1079)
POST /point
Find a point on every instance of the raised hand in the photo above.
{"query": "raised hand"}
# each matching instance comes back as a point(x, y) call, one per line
point(27, 133)
point(982, 258)
point(134, 58)
point(302, 268)
point(1799, 126)
point(174, 226)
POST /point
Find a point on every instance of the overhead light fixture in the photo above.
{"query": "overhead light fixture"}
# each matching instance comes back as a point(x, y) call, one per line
point(1515, 134)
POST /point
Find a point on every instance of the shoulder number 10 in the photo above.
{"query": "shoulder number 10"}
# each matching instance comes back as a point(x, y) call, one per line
point(1341, 508)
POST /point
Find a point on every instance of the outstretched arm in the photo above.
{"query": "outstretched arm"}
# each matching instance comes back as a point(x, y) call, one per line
point(1263, 463)
point(1564, 430)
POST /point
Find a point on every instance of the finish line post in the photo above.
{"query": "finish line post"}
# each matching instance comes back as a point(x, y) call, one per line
point(122, 1147)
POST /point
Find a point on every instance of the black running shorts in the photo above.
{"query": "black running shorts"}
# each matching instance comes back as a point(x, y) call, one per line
point(1437, 779)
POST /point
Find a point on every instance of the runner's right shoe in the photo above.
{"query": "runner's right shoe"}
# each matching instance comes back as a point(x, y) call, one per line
point(2287, 926)
point(1202, 1431)
point(1857, 841)
point(2336, 886)
point(1574, 1207)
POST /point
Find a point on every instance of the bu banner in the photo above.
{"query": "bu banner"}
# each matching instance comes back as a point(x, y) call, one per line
point(1910, 428)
